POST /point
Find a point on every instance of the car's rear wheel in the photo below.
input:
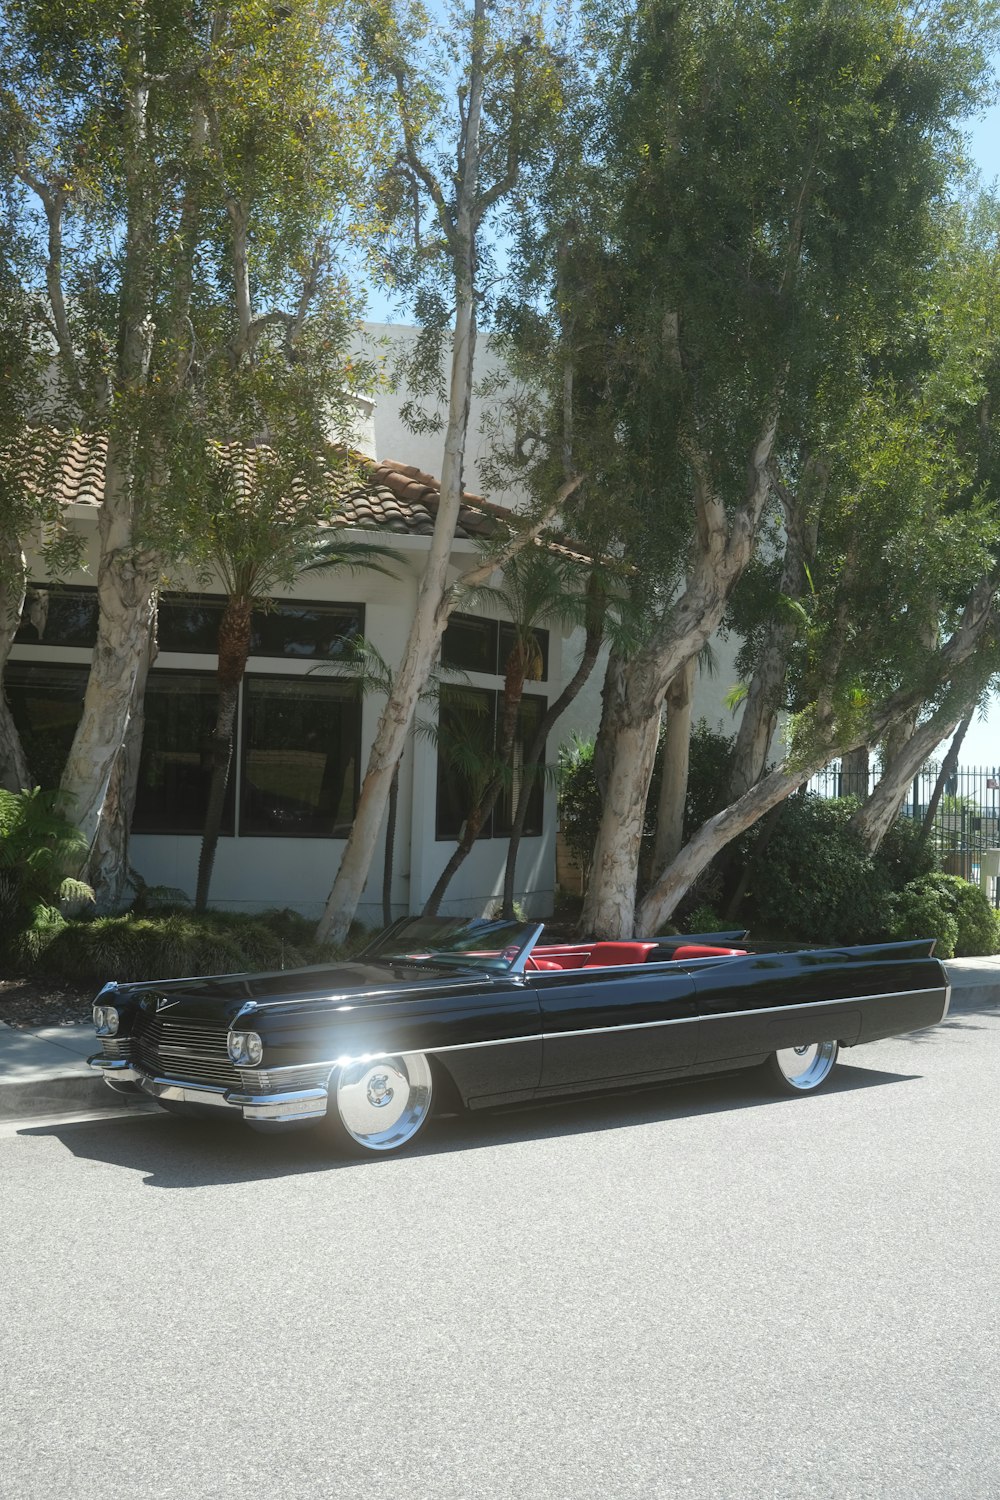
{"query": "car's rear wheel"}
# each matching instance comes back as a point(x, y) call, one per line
point(801, 1070)
point(380, 1105)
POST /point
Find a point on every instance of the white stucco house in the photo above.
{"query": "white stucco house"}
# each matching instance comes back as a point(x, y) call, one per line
point(304, 734)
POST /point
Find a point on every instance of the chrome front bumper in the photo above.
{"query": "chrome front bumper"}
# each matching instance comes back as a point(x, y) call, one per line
point(294, 1105)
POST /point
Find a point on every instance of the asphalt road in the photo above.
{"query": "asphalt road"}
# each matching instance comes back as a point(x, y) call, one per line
point(688, 1292)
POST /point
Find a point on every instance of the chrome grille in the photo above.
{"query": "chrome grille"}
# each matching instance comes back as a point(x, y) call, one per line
point(281, 1081)
point(190, 1051)
point(116, 1046)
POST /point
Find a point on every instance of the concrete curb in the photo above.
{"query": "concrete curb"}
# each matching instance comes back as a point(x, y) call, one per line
point(45, 1072)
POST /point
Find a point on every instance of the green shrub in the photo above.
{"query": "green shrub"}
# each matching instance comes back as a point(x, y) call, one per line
point(951, 909)
point(39, 846)
point(814, 881)
point(168, 945)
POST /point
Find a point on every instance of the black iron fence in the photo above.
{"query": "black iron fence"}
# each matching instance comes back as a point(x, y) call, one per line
point(965, 825)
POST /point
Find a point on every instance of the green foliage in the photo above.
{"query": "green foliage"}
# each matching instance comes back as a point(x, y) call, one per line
point(168, 945)
point(951, 909)
point(815, 882)
point(38, 847)
point(579, 797)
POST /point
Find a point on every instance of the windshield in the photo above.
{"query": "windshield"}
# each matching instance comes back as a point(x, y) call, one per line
point(502, 947)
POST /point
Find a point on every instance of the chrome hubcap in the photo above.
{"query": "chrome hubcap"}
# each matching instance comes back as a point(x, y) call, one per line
point(383, 1103)
point(805, 1067)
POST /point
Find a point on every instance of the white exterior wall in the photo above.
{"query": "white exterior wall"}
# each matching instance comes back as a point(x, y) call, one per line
point(254, 873)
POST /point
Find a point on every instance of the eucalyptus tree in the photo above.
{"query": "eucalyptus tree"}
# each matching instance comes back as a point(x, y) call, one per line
point(459, 168)
point(775, 168)
point(180, 178)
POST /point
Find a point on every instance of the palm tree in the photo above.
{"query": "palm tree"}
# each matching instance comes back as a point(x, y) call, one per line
point(267, 529)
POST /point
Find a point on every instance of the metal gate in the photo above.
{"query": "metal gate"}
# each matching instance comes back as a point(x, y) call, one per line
point(965, 831)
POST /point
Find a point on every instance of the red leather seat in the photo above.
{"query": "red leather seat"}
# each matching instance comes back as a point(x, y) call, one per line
point(704, 950)
point(604, 955)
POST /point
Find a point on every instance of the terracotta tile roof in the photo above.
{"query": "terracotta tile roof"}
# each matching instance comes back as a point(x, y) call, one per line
point(379, 496)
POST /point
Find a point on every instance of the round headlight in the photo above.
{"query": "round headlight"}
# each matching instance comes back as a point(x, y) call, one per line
point(245, 1048)
point(98, 1016)
point(110, 1020)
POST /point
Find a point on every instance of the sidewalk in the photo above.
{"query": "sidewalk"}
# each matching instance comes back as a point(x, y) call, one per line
point(45, 1072)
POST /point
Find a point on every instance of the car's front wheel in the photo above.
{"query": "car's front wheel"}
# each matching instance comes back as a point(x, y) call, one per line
point(801, 1070)
point(380, 1105)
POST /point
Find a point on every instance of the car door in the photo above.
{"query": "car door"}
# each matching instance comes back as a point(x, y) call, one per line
point(606, 1026)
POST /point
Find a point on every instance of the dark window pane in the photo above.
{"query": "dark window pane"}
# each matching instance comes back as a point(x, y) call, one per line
point(301, 743)
point(530, 715)
point(58, 617)
point(306, 630)
point(287, 629)
point(175, 764)
point(190, 624)
point(45, 702)
point(470, 644)
point(507, 639)
point(466, 731)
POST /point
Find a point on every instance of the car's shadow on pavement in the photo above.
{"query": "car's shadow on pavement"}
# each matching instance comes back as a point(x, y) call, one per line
point(181, 1153)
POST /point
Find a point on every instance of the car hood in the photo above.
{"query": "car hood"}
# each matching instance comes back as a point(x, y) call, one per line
point(225, 995)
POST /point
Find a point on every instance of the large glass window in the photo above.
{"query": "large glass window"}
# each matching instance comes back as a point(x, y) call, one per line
point(471, 644)
point(468, 720)
point(288, 628)
point(301, 743)
point(175, 767)
point(45, 702)
point(56, 616)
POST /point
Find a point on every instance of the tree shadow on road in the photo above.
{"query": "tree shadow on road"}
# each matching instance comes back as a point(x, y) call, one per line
point(183, 1153)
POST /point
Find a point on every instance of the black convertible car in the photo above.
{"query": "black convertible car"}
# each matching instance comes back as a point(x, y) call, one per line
point(472, 1014)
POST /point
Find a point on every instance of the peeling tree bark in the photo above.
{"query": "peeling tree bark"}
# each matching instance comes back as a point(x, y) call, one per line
point(111, 847)
point(676, 764)
point(873, 821)
point(631, 722)
point(765, 695)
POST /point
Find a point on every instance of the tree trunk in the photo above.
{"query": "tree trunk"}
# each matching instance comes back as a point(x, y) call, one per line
point(473, 827)
point(591, 651)
point(948, 767)
point(234, 649)
point(713, 836)
point(725, 547)
point(111, 849)
point(14, 772)
point(767, 686)
point(390, 845)
point(126, 582)
point(433, 603)
point(855, 773)
point(676, 763)
point(873, 821)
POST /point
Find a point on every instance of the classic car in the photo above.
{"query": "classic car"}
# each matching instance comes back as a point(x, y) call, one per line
point(453, 1014)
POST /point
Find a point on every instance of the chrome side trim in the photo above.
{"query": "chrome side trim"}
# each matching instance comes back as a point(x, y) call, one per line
point(555, 1036)
point(947, 1002)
